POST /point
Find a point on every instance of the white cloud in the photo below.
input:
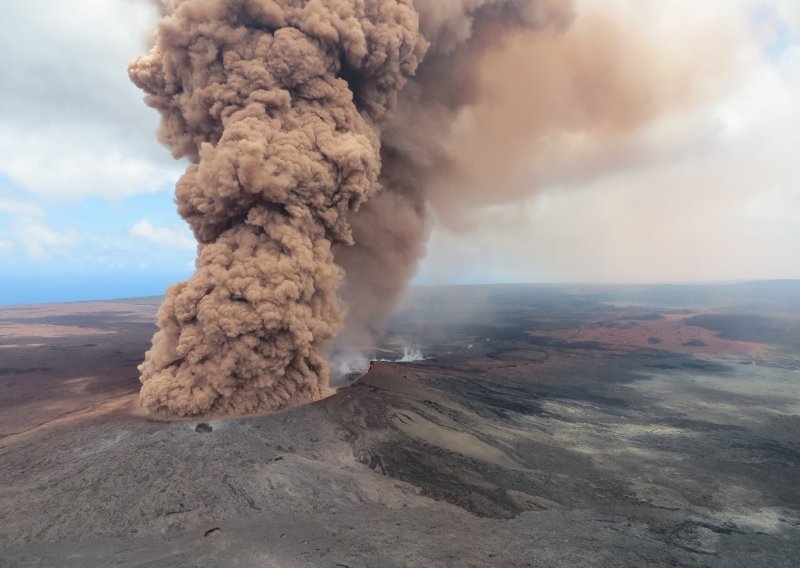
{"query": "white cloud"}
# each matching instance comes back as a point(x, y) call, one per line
point(40, 241)
point(73, 123)
point(59, 165)
point(789, 11)
point(176, 237)
point(20, 208)
point(27, 225)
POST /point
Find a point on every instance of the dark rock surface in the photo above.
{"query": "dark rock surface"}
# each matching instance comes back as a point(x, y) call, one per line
point(499, 450)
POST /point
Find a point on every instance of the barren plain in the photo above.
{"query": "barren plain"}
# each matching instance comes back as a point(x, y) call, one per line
point(546, 426)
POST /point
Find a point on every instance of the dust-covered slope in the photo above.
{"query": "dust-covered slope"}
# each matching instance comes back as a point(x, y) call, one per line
point(499, 449)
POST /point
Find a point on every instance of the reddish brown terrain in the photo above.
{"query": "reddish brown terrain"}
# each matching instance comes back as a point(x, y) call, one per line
point(671, 332)
point(60, 359)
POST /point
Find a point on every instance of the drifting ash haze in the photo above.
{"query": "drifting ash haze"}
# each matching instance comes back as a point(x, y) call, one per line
point(323, 138)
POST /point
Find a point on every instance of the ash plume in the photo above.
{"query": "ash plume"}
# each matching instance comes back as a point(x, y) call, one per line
point(512, 96)
point(391, 229)
point(323, 138)
point(254, 93)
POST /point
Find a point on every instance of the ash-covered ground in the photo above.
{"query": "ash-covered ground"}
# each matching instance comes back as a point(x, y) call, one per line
point(547, 426)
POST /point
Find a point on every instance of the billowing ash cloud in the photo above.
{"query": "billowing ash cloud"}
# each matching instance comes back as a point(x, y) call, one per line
point(322, 136)
point(277, 105)
point(391, 229)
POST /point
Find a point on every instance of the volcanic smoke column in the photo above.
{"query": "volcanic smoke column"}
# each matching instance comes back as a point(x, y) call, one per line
point(323, 147)
point(277, 103)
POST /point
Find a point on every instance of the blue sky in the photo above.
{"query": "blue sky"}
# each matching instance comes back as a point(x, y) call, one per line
point(86, 207)
point(93, 248)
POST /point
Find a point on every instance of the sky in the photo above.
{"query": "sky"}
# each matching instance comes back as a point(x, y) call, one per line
point(711, 192)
